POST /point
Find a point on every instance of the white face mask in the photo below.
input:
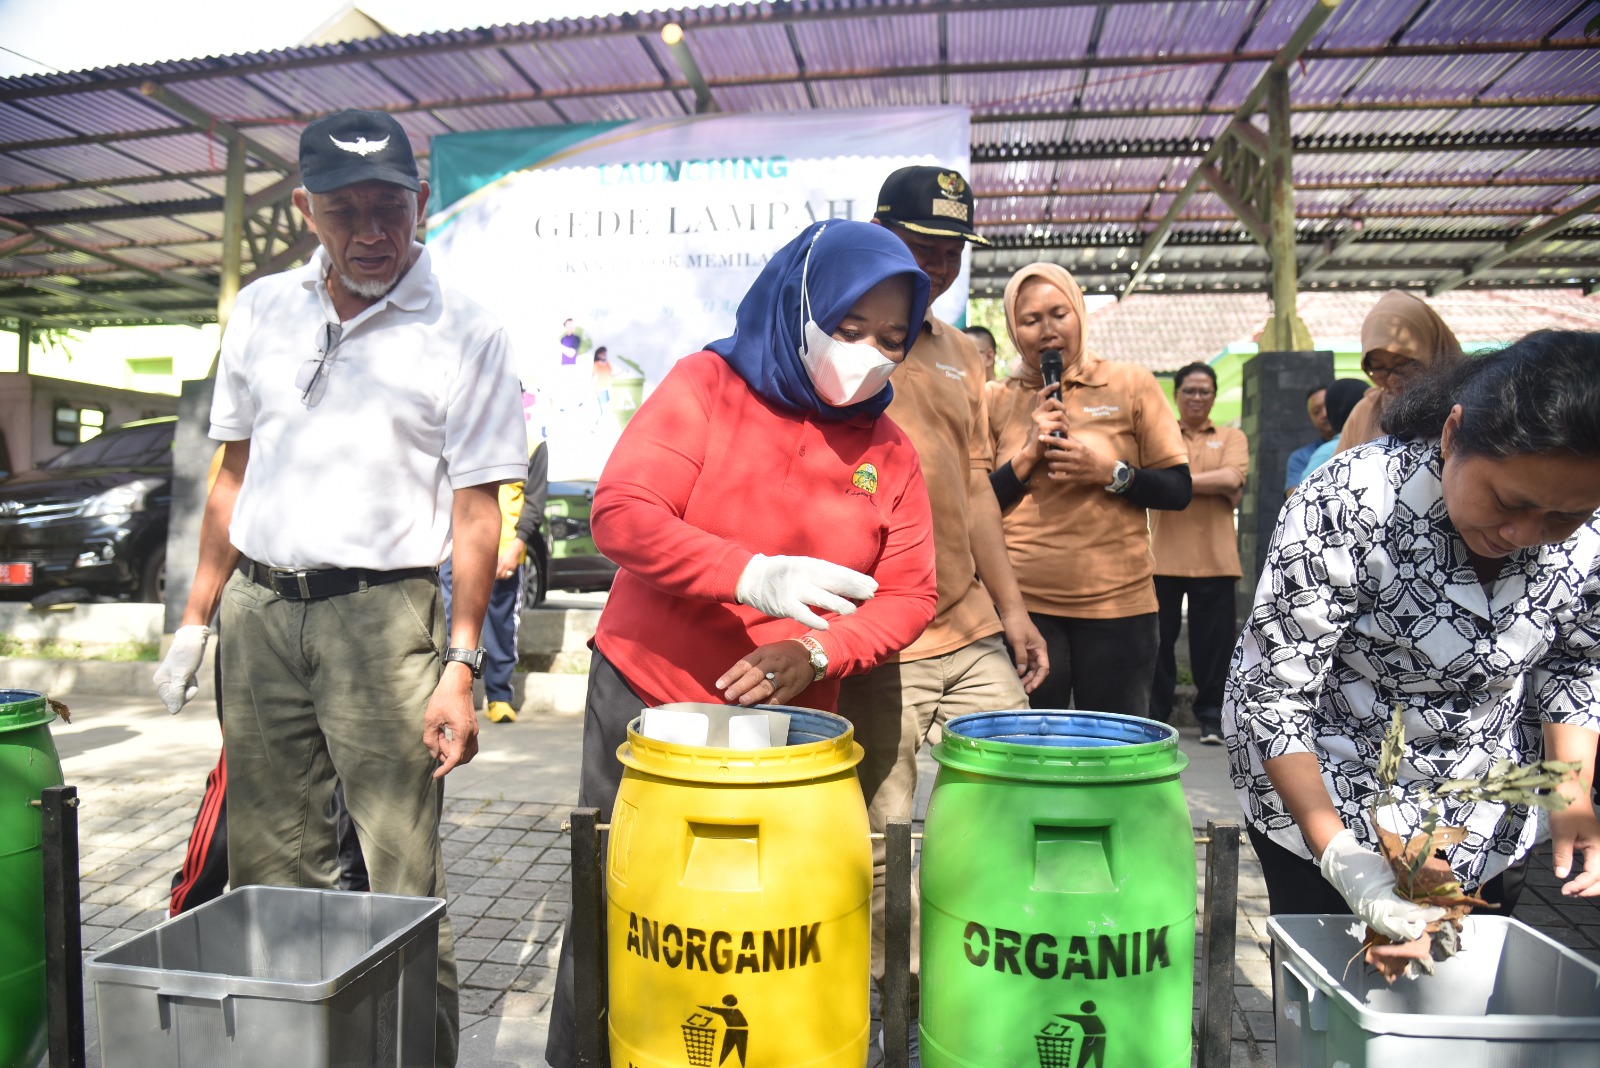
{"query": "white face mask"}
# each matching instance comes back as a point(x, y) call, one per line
point(843, 373)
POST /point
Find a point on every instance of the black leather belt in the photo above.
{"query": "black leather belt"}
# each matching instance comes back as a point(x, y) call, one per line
point(302, 584)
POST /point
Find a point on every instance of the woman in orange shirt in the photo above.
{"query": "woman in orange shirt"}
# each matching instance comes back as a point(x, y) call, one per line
point(1400, 338)
point(1083, 463)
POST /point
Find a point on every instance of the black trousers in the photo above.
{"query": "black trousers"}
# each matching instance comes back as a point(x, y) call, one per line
point(1098, 665)
point(1295, 885)
point(1213, 628)
point(610, 705)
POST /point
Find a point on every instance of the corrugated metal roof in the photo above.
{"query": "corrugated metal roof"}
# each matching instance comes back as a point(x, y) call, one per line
point(1087, 118)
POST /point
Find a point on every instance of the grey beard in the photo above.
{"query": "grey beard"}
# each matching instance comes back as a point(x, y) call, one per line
point(368, 290)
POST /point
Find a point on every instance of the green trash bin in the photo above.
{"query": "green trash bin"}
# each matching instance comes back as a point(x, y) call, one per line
point(627, 393)
point(28, 764)
point(1058, 895)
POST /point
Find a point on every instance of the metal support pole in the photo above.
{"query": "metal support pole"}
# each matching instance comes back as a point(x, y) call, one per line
point(1285, 332)
point(63, 931)
point(588, 938)
point(897, 1019)
point(233, 209)
point(24, 344)
point(1221, 922)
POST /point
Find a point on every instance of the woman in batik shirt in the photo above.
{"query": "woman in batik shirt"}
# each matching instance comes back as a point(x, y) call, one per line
point(1452, 569)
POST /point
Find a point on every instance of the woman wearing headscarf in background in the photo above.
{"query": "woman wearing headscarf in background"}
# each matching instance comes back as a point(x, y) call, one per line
point(770, 524)
point(1082, 463)
point(1400, 338)
point(1342, 398)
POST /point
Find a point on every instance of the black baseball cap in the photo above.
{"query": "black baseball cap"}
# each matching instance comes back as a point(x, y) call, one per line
point(356, 146)
point(929, 200)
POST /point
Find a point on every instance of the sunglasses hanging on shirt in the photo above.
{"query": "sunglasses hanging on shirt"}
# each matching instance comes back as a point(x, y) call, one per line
point(313, 376)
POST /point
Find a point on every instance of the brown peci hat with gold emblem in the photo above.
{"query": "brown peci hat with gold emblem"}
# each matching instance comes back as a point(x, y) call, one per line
point(928, 200)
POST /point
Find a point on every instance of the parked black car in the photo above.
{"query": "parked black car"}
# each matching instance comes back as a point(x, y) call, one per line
point(94, 517)
point(568, 558)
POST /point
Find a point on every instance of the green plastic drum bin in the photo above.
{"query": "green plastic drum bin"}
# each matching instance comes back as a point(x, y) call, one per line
point(1058, 895)
point(28, 764)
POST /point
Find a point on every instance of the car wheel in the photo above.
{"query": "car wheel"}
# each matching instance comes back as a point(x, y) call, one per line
point(153, 577)
point(535, 579)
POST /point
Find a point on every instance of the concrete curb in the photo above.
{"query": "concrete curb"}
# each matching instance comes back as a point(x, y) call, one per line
point(534, 693)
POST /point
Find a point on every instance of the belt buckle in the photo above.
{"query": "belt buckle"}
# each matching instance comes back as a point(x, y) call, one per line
point(298, 574)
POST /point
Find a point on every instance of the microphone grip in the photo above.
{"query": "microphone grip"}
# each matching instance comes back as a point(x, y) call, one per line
point(1050, 368)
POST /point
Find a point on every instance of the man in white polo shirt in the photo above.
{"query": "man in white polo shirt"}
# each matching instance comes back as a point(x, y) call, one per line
point(368, 417)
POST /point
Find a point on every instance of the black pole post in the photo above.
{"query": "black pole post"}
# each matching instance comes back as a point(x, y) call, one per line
point(588, 937)
point(1221, 920)
point(63, 931)
point(897, 944)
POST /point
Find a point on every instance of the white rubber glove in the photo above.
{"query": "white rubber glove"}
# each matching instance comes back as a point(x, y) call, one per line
point(782, 586)
point(175, 678)
point(1366, 882)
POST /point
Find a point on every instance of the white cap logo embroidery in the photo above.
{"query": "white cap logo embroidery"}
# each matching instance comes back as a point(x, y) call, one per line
point(361, 146)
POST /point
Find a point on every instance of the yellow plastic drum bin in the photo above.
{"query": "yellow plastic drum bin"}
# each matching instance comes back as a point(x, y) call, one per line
point(738, 886)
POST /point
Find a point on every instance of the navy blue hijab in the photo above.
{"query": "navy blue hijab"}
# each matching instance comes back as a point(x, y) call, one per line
point(848, 259)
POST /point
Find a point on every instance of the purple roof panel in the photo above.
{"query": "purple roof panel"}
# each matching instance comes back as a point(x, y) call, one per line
point(1356, 25)
point(630, 106)
point(1431, 77)
point(454, 75)
point(1238, 81)
point(763, 98)
point(1455, 21)
point(233, 99)
point(1277, 23)
point(107, 112)
point(1046, 132)
point(80, 162)
point(877, 92)
point(1023, 91)
point(578, 63)
point(180, 152)
point(1322, 81)
point(21, 124)
point(1491, 120)
point(1159, 29)
point(869, 44)
point(1158, 87)
point(159, 228)
point(346, 86)
point(1549, 74)
point(1010, 36)
point(15, 170)
point(499, 116)
point(732, 53)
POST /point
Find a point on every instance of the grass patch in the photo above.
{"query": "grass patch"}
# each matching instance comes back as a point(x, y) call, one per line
point(60, 649)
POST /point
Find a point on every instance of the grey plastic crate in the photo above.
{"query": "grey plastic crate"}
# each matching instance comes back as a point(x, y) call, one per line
point(275, 977)
point(1512, 998)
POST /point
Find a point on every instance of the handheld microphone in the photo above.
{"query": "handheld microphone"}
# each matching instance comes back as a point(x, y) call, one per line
point(1050, 368)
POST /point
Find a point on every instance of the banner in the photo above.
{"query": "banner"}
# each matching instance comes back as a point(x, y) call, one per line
point(610, 250)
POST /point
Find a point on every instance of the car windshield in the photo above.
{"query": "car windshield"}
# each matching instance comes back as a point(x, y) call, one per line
point(138, 446)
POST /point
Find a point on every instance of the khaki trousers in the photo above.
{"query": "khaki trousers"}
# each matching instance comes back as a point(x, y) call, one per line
point(893, 708)
point(335, 689)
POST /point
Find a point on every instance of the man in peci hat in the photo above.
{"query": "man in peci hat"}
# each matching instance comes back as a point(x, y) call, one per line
point(367, 416)
point(982, 651)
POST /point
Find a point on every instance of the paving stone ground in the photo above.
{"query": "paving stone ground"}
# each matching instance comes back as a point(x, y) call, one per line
point(140, 773)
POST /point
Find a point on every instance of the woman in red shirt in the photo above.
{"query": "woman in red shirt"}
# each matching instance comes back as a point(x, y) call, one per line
point(770, 523)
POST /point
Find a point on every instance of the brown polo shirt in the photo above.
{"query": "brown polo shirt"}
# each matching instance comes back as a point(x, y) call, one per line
point(1200, 541)
point(1078, 550)
point(938, 402)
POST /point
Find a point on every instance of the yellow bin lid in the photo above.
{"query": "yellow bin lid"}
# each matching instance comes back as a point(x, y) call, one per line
point(820, 744)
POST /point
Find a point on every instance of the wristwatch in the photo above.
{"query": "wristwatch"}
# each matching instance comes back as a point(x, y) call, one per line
point(473, 658)
point(1121, 478)
point(819, 659)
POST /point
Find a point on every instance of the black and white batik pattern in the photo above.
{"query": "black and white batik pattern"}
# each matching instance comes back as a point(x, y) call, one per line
point(1368, 600)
